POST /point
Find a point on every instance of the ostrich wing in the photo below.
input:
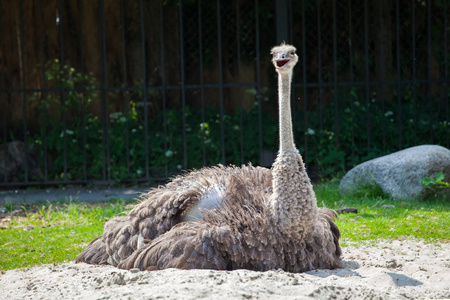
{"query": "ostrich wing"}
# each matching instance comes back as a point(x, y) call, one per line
point(325, 240)
point(95, 252)
point(118, 240)
point(186, 246)
point(164, 207)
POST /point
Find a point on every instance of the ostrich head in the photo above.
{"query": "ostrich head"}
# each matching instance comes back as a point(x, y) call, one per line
point(284, 58)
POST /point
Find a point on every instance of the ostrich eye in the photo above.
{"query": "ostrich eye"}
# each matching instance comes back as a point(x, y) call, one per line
point(292, 52)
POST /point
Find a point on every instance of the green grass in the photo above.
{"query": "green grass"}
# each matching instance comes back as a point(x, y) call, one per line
point(427, 220)
point(22, 248)
point(52, 233)
point(47, 233)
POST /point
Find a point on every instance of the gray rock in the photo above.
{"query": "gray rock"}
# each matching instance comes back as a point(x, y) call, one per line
point(399, 174)
point(13, 161)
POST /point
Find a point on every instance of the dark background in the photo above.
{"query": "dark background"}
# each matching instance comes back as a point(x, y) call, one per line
point(135, 91)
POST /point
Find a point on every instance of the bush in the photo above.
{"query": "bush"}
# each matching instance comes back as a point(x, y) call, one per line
point(113, 146)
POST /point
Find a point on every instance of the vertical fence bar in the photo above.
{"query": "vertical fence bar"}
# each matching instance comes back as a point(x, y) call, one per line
point(103, 91)
point(366, 53)
point(43, 86)
point(258, 82)
point(282, 20)
point(125, 85)
point(319, 48)
point(144, 88)
point(238, 55)
point(446, 90)
point(83, 75)
point(202, 80)
point(399, 92)
point(2, 45)
point(336, 114)
point(164, 85)
point(291, 26)
point(430, 85)
point(414, 81)
point(102, 88)
point(183, 83)
point(60, 23)
point(291, 40)
point(382, 96)
point(350, 30)
point(24, 98)
point(219, 44)
point(305, 90)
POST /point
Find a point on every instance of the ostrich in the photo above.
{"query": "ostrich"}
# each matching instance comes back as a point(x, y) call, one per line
point(228, 218)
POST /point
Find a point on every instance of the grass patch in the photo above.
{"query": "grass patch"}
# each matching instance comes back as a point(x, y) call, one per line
point(54, 233)
point(51, 245)
point(428, 220)
point(51, 233)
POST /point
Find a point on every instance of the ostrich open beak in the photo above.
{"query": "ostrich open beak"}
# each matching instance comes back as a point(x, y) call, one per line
point(282, 62)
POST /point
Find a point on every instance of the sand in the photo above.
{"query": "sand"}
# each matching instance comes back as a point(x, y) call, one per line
point(399, 269)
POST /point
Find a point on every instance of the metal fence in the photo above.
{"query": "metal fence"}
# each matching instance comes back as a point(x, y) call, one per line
point(130, 91)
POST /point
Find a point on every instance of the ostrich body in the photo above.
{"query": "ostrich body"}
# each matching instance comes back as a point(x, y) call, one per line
point(228, 218)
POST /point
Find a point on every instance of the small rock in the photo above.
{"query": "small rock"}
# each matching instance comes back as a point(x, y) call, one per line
point(134, 270)
point(388, 206)
point(347, 210)
point(118, 279)
point(391, 264)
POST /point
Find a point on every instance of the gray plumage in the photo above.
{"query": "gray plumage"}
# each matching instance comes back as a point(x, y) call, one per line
point(228, 218)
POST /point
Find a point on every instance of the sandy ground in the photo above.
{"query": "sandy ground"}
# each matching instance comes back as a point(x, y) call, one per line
point(378, 270)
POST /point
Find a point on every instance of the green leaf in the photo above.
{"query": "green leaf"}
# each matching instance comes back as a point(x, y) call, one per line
point(440, 176)
point(442, 184)
point(426, 181)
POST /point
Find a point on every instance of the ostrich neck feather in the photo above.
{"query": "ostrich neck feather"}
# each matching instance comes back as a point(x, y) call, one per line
point(284, 102)
point(293, 201)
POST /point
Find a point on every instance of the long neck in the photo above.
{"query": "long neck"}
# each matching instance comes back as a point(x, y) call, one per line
point(284, 102)
point(293, 201)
